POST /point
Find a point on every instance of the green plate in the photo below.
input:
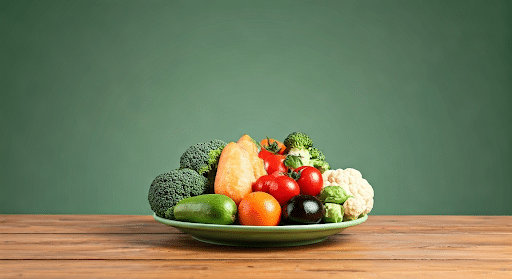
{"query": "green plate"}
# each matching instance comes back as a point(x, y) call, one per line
point(260, 236)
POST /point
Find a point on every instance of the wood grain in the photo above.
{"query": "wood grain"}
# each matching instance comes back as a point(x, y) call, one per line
point(135, 246)
point(341, 246)
point(256, 269)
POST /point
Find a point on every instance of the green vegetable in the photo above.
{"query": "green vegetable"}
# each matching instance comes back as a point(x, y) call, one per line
point(317, 159)
point(333, 194)
point(303, 154)
point(298, 140)
point(169, 213)
point(208, 209)
point(316, 154)
point(168, 189)
point(204, 159)
point(301, 145)
point(322, 166)
point(333, 213)
point(293, 161)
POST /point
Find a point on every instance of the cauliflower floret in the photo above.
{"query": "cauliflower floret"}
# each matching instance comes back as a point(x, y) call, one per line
point(354, 184)
point(353, 207)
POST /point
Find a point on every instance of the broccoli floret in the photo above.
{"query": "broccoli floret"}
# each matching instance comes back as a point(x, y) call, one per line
point(317, 159)
point(298, 140)
point(169, 213)
point(203, 158)
point(306, 157)
point(169, 188)
point(316, 154)
point(301, 145)
point(322, 166)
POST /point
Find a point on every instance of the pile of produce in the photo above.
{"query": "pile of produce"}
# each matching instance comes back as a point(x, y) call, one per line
point(266, 183)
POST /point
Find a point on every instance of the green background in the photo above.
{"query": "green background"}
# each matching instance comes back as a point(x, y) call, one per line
point(99, 97)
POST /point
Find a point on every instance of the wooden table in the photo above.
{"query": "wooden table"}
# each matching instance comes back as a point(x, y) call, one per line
point(106, 246)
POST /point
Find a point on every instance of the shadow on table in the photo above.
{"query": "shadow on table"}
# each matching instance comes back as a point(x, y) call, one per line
point(152, 234)
point(185, 242)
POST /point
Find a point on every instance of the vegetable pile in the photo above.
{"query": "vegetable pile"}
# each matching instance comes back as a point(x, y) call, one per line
point(266, 183)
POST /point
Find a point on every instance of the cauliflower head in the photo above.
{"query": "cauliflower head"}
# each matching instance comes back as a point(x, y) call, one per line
point(352, 181)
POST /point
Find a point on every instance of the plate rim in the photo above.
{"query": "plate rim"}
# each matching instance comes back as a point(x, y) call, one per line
point(287, 228)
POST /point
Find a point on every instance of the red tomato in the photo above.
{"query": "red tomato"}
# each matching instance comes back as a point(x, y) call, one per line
point(310, 180)
point(283, 189)
point(274, 163)
point(263, 183)
point(264, 153)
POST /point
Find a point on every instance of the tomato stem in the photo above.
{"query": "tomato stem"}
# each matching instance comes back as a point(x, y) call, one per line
point(293, 174)
point(272, 146)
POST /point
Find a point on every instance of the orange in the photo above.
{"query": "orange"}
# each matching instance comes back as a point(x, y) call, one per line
point(259, 209)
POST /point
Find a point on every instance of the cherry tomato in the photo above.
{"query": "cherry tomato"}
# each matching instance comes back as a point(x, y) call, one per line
point(264, 153)
point(263, 183)
point(283, 189)
point(310, 180)
point(274, 163)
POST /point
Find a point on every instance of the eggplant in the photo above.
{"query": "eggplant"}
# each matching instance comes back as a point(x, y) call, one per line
point(303, 209)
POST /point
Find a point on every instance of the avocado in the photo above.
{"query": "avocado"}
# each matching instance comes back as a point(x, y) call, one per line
point(208, 209)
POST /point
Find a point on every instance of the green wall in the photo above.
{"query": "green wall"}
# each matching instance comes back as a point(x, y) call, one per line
point(99, 97)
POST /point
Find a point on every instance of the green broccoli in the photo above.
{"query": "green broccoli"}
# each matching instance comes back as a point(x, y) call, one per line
point(317, 159)
point(298, 140)
point(316, 154)
point(322, 166)
point(301, 145)
point(203, 158)
point(168, 189)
